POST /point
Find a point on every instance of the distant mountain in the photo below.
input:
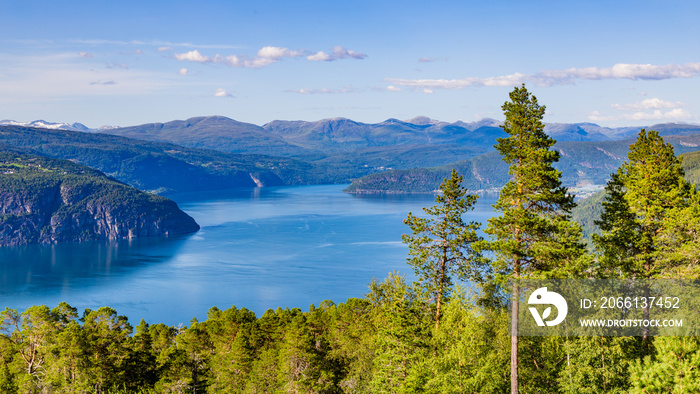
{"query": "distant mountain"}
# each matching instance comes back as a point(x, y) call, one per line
point(310, 140)
point(593, 132)
point(222, 133)
point(578, 132)
point(345, 134)
point(46, 200)
point(212, 132)
point(325, 151)
point(423, 121)
point(582, 164)
point(165, 167)
point(358, 147)
point(55, 126)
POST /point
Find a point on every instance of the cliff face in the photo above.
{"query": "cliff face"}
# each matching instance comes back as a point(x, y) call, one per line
point(42, 204)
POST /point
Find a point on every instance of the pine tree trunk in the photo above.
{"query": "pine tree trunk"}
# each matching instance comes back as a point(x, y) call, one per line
point(440, 288)
point(645, 316)
point(514, 335)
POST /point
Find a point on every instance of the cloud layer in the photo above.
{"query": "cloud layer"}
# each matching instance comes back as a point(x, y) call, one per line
point(268, 55)
point(649, 109)
point(561, 77)
point(652, 103)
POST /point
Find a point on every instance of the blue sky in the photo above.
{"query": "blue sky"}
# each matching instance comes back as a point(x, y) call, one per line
point(123, 63)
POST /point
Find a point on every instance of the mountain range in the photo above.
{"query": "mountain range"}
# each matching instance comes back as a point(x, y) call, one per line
point(342, 133)
point(221, 152)
point(51, 125)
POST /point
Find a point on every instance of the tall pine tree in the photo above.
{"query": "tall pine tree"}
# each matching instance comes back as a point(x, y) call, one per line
point(644, 192)
point(533, 234)
point(441, 244)
point(638, 239)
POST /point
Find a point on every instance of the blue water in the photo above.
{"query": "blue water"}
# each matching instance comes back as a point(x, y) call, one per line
point(259, 249)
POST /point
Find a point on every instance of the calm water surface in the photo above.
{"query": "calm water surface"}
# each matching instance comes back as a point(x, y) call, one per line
point(259, 249)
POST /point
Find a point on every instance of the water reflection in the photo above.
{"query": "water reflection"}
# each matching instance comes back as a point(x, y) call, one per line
point(34, 269)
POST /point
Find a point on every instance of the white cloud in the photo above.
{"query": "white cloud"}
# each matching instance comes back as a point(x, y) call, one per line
point(103, 83)
point(596, 116)
point(164, 49)
point(649, 109)
point(85, 54)
point(221, 93)
point(193, 56)
point(652, 103)
point(428, 91)
point(675, 114)
point(319, 56)
point(393, 88)
point(266, 56)
point(562, 77)
point(183, 71)
point(277, 53)
point(338, 53)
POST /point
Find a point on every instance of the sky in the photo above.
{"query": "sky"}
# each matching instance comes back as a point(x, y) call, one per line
point(122, 63)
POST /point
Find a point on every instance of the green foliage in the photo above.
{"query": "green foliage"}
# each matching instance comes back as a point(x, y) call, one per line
point(482, 172)
point(598, 364)
point(641, 197)
point(533, 234)
point(589, 209)
point(441, 244)
point(402, 336)
point(472, 346)
point(50, 200)
point(673, 370)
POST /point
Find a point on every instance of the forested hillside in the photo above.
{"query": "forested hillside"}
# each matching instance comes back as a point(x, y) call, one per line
point(590, 208)
point(46, 200)
point(581, 163)
point(166, 167)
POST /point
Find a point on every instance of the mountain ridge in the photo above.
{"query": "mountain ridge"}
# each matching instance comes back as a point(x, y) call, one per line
point(550, 127)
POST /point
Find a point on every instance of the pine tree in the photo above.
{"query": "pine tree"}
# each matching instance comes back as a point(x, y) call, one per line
point(644, 223)
point(441, 245)
point(645, 191)
point(533, 234)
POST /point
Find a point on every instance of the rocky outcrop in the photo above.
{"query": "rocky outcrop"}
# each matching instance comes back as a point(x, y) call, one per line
point(52, 206)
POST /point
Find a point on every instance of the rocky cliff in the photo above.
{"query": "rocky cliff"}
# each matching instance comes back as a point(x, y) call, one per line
point(46, 201)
